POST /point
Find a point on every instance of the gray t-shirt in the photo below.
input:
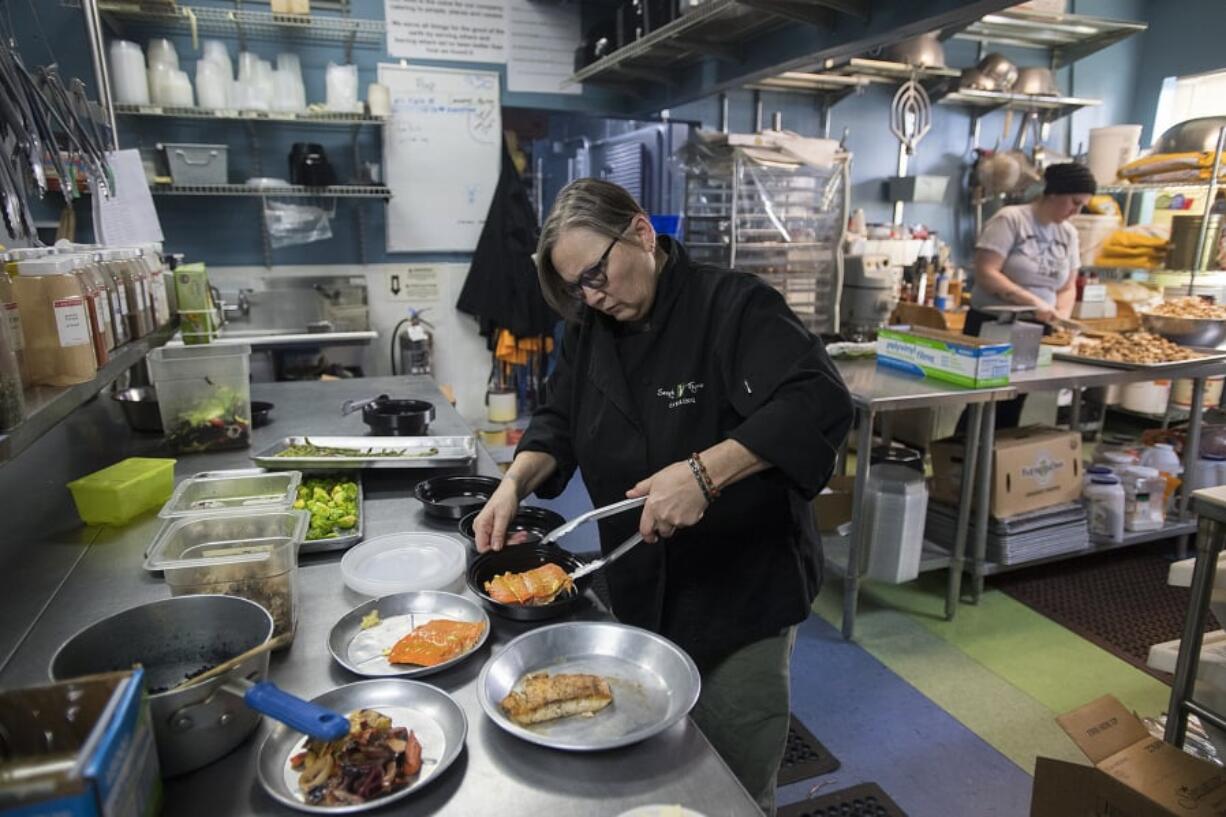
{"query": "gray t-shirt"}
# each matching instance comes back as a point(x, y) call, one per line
point(1038, 257)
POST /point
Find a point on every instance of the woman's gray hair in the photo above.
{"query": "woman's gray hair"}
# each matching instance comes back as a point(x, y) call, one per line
point(594, 204)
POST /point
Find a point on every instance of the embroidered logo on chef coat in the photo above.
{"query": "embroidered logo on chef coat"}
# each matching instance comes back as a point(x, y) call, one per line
point(682, 394)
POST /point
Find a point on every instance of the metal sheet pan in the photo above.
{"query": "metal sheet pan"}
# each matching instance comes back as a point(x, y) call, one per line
point(360, 650)
point(1156, 368)
point(654, 683)
point(353, 537)
point(431, 714)
point(450, 451)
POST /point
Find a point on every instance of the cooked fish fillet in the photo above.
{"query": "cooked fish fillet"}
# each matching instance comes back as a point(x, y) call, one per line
point(544, 697)
point(541, 585)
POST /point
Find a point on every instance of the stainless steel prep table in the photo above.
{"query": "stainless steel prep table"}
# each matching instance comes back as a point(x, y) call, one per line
point(880, 390)
point(497, 773)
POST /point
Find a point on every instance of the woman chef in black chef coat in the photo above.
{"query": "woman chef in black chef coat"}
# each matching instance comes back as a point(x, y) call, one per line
point(698, 388)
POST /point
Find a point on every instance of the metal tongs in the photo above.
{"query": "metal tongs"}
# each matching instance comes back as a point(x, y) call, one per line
point(591, 516)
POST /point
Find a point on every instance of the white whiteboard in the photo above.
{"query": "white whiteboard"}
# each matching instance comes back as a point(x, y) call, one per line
point(442, 153)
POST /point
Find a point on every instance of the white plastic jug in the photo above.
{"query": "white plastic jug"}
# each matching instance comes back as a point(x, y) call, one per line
point(1111, 148)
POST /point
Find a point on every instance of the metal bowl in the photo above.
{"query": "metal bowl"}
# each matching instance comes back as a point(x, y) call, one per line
point(1205, 333)
point(140, 408)
point(436, 719)
point(173, 639)
point(924, 51)
point(1191, 136)
point(517, 559)
point(360, 650)
point(654, 683)
point(1036, 82)
point(998, 72)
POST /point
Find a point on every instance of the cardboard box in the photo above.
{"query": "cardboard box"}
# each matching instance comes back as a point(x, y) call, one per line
point(1133, 773)
point(103, 762)
point(833, 506)
point(1032, 468)
point(959, 359)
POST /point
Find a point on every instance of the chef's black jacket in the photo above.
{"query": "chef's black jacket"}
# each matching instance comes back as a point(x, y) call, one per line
point(722, 356)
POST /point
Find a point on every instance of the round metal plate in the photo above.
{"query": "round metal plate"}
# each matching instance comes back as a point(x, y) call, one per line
point(361, 651)
point(654, 683)
point(436, 719)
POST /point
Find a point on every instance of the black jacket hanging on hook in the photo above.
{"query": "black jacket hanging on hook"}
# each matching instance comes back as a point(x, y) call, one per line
point(501, 290)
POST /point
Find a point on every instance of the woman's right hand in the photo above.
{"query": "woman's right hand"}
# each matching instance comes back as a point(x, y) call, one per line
point(1046, 314)
point(490, 526)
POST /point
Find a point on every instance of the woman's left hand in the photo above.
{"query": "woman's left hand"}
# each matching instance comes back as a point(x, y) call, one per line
point(674, 501)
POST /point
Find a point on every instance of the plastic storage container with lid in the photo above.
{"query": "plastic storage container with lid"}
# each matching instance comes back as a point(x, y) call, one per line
point(251, 554)
point(59, 349)
point(121, 492)
point(1163, 457)
point(95, 307)
point(10, 314)
point(204, 395)
point(118, 294)
point(94, 270)
point(1209, 472)
point(1105, 498)
point(1144, 498)
point(12, 398)
point(898, 506)
point(159, 301)
point(136, 283)
point(231, 491)
point(1096, 471)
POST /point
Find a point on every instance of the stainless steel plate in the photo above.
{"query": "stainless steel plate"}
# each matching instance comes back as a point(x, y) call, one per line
point(654, 683)
point(416, 452)
point(361, 651)
point(1157, 368)
point(437, 720)
point(348, 540)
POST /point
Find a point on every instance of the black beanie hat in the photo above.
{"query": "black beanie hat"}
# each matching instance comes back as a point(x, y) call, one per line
point(1069, 178)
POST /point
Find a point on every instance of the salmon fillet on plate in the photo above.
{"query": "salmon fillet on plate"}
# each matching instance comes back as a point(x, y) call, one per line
point(543, 697)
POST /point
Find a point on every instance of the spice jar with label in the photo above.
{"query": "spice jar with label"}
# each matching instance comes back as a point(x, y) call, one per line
point(104, 301)
point(10, 321)
point(136, 282)
point(12, 401)
point(118, 295)
point(94, 307)
point(58, 348)
point(159, 302)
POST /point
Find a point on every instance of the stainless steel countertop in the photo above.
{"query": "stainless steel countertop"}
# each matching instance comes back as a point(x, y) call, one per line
point(497, 773)
point(883, 389)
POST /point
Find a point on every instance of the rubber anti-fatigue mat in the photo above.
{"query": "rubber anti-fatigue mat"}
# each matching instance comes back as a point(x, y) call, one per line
point(865, 800)
point(805, 756)
point(1118, 600)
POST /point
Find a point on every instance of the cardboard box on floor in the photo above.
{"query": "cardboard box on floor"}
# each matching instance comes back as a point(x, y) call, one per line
point(833, 506)
point(1133, 773)
point(1033, 467)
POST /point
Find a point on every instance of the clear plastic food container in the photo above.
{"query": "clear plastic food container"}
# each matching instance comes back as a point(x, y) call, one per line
point(204, 396)
point(252, 555)
point(229, 491)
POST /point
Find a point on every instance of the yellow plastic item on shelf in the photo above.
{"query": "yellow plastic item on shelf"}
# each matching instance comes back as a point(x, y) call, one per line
point(119, 493)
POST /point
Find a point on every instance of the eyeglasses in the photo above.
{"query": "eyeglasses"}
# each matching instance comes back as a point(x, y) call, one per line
point(594, 277)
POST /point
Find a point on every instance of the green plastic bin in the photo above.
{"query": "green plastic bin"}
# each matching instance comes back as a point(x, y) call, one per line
point(123, 491)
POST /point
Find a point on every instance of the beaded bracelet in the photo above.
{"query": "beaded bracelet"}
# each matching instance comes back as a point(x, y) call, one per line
point(702, 486)
point(704, 476)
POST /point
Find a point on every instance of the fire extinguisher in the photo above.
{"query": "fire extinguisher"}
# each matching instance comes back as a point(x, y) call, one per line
point(416, 343)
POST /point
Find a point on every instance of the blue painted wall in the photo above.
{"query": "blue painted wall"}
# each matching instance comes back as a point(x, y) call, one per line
point(1183, 38)
point(225, 231)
